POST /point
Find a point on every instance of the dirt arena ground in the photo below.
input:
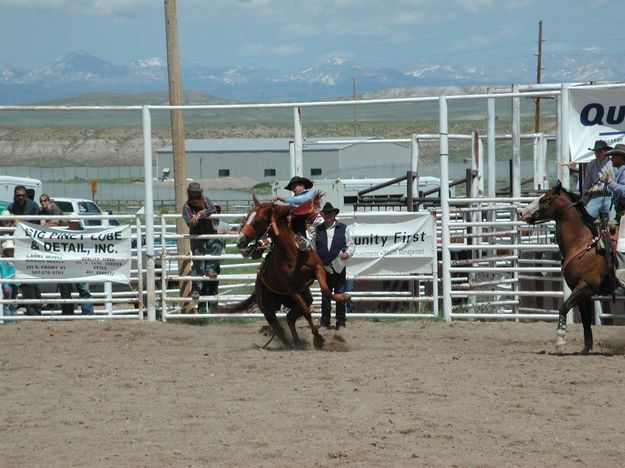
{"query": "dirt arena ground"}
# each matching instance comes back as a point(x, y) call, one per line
point(386, 394)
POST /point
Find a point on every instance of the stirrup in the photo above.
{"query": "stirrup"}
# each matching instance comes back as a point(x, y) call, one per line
point(303, 244)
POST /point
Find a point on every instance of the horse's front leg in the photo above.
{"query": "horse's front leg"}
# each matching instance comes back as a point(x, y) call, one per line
point(585, 309)
point(574, 299)
point(304, 307)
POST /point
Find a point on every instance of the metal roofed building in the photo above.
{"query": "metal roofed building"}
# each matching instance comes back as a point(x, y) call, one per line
point(268, 159)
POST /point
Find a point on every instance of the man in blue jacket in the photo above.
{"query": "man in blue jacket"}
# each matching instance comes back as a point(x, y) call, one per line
point(334, 245)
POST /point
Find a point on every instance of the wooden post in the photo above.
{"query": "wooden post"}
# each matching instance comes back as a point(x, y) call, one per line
point(177, 136)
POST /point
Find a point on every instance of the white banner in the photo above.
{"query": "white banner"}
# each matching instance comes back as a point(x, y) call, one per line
point(391, 243)
point(55, 253)
point(595, 114)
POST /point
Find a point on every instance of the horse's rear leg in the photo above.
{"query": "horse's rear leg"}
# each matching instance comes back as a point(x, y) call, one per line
point(320, 275)
point(273, 321)
point(586, 312)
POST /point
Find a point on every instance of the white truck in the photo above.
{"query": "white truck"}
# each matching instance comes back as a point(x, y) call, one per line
point(7, 188)
point(83, 209)
point(343, 193)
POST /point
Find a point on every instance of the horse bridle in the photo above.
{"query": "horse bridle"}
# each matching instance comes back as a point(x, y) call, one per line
point(559, 213)
point(272, 225)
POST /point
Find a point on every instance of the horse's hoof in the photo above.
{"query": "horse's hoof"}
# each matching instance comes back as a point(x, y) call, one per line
point(318, 341)
point(585, 351)
point(560, 342)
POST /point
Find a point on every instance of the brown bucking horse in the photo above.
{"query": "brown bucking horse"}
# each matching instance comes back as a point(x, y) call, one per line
point(287, 273)
point(587, 255)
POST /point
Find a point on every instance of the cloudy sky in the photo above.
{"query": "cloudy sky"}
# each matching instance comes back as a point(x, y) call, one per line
point(292, 34)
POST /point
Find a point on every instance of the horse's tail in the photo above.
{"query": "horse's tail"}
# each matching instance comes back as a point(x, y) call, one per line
point(238, 307)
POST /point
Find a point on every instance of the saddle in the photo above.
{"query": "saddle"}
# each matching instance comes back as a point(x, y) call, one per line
point(604, 243)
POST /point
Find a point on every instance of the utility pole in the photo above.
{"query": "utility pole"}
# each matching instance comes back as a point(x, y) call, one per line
point(539, 68)
point(354, 106)
point(177, 136)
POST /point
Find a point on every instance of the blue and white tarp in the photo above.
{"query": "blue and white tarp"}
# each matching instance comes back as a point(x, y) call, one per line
point(595, 114)
point(391, 243)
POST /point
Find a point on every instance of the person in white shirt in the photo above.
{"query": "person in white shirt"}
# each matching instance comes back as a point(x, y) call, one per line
point(334, 245)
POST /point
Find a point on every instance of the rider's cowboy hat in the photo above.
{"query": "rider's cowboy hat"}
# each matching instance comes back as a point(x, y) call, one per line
point(599, 145)
point(328, 208)
point(618, 149)
point(295, 180)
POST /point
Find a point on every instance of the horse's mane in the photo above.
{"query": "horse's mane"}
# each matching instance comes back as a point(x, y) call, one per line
point(581, 208)
point(317, 199)
point(283, 211)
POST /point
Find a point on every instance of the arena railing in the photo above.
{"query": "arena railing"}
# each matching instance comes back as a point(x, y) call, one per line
point(110, 300)
point(238, 276)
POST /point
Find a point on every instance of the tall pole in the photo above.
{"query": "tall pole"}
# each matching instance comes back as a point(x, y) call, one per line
point(443, 139)
point(354, 106)
point(177, 135)
point(539, 68)
point(516, 144)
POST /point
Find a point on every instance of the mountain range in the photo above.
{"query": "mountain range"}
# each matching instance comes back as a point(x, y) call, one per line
point(80, 72)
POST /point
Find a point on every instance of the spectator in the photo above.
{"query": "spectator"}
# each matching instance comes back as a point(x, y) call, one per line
point(7, 270)
point(22, 205)
point(83, 288)
point(7, 225)
point(31, 291)
point(196, 212)
point(49, 208)
point(334, 245)
point(595, 194)
point(217, 246)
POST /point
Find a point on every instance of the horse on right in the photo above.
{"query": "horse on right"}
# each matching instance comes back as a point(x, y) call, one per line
point(587, 256)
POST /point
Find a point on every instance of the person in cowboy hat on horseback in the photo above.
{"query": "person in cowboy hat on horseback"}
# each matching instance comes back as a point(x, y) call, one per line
point(302, 207)
point(616, 184)
point(596, 195)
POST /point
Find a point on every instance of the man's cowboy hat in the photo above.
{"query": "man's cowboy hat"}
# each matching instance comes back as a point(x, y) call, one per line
point(295, 180)
point(328, 207)
point(618, 149)
point(599, 145)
